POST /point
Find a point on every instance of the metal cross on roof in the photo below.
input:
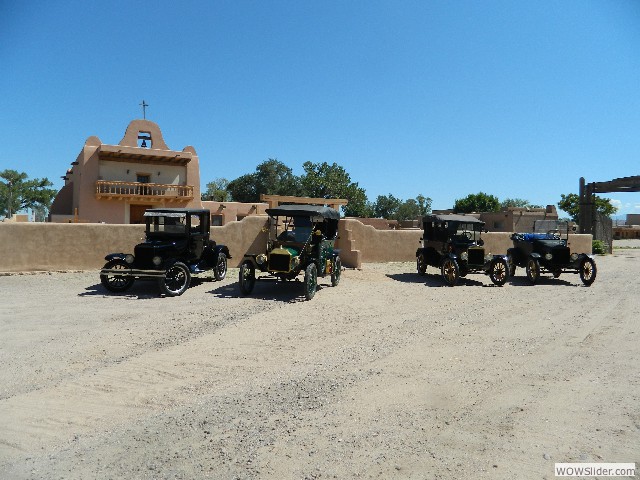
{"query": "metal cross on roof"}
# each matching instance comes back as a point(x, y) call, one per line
point(144, 106)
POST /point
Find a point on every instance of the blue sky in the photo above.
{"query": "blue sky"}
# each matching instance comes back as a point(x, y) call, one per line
point(440, 98)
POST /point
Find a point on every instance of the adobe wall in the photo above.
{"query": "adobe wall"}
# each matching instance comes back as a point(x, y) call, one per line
point(82, 246)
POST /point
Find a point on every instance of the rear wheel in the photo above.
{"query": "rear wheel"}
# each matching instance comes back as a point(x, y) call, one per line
point(512, 266)
point(588, 271)
point(310, 281)
point(336, 272)
point(450, 271)
point(499, 271)
point(115, 282)
point(247, 278)
point(220, 270)
point(421, 265)
point(176, 281)
point(533, 270)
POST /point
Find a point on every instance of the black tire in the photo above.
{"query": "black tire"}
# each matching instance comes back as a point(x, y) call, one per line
point(220, 270)
point(117, 283)
point(499, 271)
point(421, 265)
point(512, 266)
point(177, 280)
point(588, 271)
point(247, 277)
point(533, 270)
point(450, 271)
point(336, 272)
point(310, 281)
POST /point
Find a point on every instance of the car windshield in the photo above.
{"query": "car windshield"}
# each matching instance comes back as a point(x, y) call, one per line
point(297, 229)
point(172, 224)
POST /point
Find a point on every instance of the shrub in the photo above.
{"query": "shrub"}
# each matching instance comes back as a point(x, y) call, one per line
point(599, 247)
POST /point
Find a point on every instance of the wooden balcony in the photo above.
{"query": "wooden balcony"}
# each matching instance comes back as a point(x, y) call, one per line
point(143, 191)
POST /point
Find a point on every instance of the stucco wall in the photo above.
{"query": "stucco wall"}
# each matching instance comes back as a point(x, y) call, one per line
point(73, 246)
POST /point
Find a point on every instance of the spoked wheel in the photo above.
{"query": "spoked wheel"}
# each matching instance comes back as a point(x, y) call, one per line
point(220, 270)
point(450, 271)
point(499, 271)
point(115, 282)
point(336, 272)
point(176, 281)
point(533, 270)
point(310, 281)
point(247, 278)
point(588, 271)
point(421, 265)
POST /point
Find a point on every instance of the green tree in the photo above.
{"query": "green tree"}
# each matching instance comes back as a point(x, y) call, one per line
point(321, 180)
point(271, 177)
point(413, 208)
point(517, 202)
point(386, 206)
point(477, 202)
point(570, 203)
point(217, 191)
point(18, 193)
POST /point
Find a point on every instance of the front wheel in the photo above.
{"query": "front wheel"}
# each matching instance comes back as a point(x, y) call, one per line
point(310, 281)
point(115, 282)
point(176, 281)
point(533, 270)
point(220, 270)
point(499, 271)
point(588, 271)
point(336, 272)
point(247, 277)
point(450, 271)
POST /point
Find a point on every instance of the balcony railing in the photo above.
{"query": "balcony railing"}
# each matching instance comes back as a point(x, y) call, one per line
point(112, 189)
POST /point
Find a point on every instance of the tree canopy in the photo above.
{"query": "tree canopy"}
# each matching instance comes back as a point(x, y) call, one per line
point(390, 207)
point(477, 202)
point(570, 203)
point(271, 177)
point(18, 193)
point(217, 191)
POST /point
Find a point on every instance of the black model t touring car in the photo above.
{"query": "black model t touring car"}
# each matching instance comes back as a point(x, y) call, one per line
point(453, 244)
point(177, 247)
point(301, 239)
point(548, 252)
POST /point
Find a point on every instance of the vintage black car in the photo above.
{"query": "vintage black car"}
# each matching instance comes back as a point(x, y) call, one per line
point(301, 239)
point(453, 244)
point(177, 247)
point(548, 252)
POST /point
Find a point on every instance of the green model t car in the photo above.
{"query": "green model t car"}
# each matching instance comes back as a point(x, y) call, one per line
point(453, 244)
point(301, 240)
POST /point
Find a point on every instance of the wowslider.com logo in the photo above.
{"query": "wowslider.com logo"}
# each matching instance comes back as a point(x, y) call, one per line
point(595, 469)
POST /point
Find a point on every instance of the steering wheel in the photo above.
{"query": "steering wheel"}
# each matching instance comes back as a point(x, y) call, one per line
point(467, 234)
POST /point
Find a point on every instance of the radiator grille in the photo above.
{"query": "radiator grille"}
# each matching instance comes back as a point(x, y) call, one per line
point(476, 256)
point(279, 262)
point(143, 255)
point(561, 255)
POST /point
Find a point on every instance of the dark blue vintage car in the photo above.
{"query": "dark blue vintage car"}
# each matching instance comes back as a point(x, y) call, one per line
point(548, 252)
point(453, 244)
point(177, 247)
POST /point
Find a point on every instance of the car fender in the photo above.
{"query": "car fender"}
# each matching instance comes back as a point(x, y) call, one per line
point(115, 256)
point(220, 248)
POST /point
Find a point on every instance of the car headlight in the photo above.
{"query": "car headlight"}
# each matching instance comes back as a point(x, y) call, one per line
point(157, 261)
point(464, 256)
point(574, 257)
point(548, 256)
point(260, 259)
point(128, 258)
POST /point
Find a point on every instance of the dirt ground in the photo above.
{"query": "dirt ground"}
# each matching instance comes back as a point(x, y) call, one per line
point(387, 375)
